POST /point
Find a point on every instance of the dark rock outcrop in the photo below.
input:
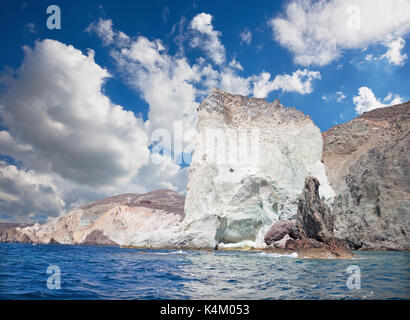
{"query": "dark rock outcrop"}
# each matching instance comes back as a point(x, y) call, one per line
point(313, 231)
point(314, 219)
point(97, 237)
point(367, 162)
point(53, 241)
point(281, 229)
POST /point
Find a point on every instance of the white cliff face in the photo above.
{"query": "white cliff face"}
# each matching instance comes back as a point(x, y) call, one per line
point(119, 220)
point(249, 166)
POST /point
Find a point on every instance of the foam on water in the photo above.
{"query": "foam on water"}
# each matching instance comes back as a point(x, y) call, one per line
point(278, 255)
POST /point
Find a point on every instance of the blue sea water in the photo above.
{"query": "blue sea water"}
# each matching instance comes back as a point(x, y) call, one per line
point(102, 272)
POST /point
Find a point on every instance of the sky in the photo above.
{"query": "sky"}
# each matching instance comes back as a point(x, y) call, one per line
point(89, 100)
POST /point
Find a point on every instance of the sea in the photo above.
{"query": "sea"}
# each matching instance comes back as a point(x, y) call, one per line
point(102, 272)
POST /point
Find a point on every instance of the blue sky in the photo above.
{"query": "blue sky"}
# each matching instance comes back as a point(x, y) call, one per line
point(327, 59)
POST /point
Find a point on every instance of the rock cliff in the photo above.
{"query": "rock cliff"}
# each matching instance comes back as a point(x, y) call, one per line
point(111, 221)
point(250, 162)
point(367, 161)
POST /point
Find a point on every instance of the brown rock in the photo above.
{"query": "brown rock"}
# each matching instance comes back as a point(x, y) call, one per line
point(314, 219)
point(308, 247)
point(53, 241)
point(97, 237)
point(279, 230)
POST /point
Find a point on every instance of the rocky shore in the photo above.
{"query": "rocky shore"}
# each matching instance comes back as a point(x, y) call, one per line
point(311, 235)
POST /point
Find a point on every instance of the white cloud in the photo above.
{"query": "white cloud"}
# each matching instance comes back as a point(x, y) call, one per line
point(299, 81)
point(55, 107)
point(69, 139)
point(366, 100)
point(209, 41)
point(316, 33)
point(235, 65)
point(103, 28)
point(340, 96)
point(25, 194)
point(393, 54)
point(246, 36)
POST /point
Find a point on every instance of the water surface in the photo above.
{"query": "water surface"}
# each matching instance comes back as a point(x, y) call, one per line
point(102, 272)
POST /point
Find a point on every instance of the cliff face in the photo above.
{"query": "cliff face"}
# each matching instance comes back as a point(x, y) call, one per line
point(250, 162)
point(368, 165)
point(110, 221)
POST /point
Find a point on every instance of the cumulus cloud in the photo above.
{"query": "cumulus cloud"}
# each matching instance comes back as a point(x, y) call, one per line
point(71, 142)
point(316, 33)
point(366, 100)
point(25, 195)
point(207, 38)
point(55, 107)
point(246, 36)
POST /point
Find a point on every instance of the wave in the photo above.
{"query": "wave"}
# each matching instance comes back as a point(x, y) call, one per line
point(165, 253)
point(278, 255)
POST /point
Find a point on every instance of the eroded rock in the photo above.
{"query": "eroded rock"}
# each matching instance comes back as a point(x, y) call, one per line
point(314, 219)
point(279, 230)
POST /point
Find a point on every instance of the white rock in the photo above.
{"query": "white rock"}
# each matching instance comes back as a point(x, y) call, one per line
point(252, 176)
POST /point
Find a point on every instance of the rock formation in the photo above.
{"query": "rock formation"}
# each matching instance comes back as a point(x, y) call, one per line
point(14, 235)
point(314, 219)
point(313, 236)
point(250, 162)
point(279, 230)
point(116, 220)
point(368, 164)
